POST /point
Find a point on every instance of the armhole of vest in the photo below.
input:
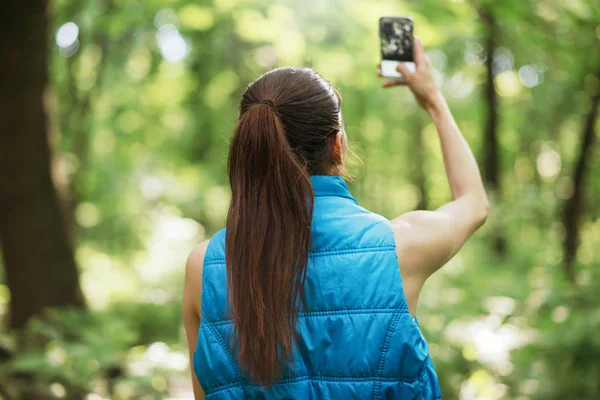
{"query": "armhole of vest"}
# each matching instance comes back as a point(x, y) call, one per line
point(217, 239)
point(391, 228)
point(214, 240)
point(388, 223)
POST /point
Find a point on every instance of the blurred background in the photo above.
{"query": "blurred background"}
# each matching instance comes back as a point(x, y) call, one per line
point(116, 116)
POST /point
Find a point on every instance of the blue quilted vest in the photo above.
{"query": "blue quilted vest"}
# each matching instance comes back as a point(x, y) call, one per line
point(356, 338)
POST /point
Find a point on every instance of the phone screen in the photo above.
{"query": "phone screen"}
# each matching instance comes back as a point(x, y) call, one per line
point(396, 35)
point(396, 38)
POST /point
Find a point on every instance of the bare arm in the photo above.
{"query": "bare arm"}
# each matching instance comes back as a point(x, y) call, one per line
point(430, 238)
point(192, 307)
point(426, 240)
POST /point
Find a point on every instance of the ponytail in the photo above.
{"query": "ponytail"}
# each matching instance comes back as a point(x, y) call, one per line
point(267, 240)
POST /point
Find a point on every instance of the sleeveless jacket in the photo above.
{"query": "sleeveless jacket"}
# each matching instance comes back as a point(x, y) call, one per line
point(356, 337)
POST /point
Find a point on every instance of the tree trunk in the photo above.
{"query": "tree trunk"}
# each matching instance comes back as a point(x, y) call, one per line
point(38, 259)
point(491, 153)
point(418, 173)
point(573, 208)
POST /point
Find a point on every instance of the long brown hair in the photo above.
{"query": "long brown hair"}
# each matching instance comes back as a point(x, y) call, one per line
point(288, 119)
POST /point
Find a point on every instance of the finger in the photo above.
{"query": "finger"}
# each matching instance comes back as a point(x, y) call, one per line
point(389, 84)
point(419, 51)
point(379, 74)
point(392, 83)
point(403, 69)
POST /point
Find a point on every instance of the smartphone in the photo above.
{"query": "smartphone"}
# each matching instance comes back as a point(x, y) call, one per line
point(396, 35)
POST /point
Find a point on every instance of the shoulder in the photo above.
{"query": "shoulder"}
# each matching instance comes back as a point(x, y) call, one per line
point(193, 277)
point(416, 226)
point(196, 257)
point(425, 240)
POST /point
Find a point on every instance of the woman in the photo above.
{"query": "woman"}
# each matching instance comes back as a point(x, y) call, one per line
point(322, 293)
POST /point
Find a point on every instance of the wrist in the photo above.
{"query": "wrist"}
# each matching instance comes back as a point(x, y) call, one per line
point(435, 102)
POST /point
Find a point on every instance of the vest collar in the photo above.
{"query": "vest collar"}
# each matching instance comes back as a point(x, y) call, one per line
point(331, 185)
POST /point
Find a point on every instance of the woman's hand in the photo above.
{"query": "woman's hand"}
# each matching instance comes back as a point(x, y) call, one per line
point(420, 82)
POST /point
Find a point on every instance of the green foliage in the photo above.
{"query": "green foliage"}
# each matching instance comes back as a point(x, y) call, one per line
point(513, 329)
point(116, 353)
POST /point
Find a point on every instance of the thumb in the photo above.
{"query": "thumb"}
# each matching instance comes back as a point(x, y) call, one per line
point(403, 69)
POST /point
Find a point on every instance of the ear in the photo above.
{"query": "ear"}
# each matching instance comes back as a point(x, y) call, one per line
point(337, 147)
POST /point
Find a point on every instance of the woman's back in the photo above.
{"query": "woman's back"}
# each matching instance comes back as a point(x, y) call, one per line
point(356, 337)
point(318, 293)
